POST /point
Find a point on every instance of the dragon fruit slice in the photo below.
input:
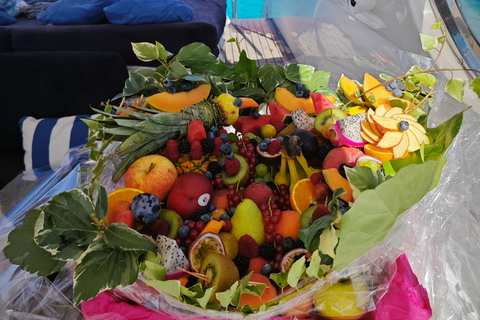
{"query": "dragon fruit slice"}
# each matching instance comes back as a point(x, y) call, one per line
point(346, 131)
point(172, 257)
point(302, 120)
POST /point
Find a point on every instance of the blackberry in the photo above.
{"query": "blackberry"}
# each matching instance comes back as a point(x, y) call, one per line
point(214, 167)
point(341, 169)
point(254, 142)
point(208, 145)
point(197, 214)
point(184, 147)
point(267, 251)
point(242, 263)
point(300, 244)
point(322, 152)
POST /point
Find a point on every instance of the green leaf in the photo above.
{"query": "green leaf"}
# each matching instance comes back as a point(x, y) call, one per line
point(102, 268)
point(299, 72)
point(428, 42)
point(375, 211)
point(154, 271)
point(328, 241)
point(101, 207)
point(436, 25)
point(315, 268)
point(119, 236)
point(311, 235)
point(280, 279)
point(195, 54)
point(333, 204)
point(176, 71)
point(319, 79)
point(170, 287)
point(475, 85)
point(163, 54)
point(271, 76)
point(21, 249)
point(426, 79)
point(203, 301)
point(226, 296)
point(455, 88)
point(64, 227)
point(296, 272)
point(137, 83)
point(363, 178)
point(385, 77)
point(441, 39)
point(247, 67)
point(146, 51)
point(243, 283)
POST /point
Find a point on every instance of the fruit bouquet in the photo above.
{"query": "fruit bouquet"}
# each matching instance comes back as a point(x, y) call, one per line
point(223, 192)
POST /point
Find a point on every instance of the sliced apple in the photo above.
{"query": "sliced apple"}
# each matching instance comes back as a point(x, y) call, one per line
point(387, 124)
point(413, 144)
point(411, 121)
point(367, 138)
point(392, 112)
point(421, 137)
point(405, 116)
point(380, 111)
point(401, 148)
point(390, 139)
point(368, 130)
point(375, 130)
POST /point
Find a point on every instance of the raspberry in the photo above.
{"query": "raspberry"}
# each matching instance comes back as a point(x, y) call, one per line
point(184, 147)
point(208, 145)
point(227, 227)
point(196, 151)
point(247, 247)
point(218, 142)
point(274, 147)
point(319, 212)
point(232, 166)
point(242, 263)
point(171, 150)
point(221, 131)
point(278, 124)
point(267, 251)
point(214, 167)
point(317, 177)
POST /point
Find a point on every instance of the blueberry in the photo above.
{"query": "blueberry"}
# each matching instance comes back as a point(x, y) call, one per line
point(211, 135)
point(299, 94)
point(299, 86)
point(214, 129)
point(255, 115)
point(222, 163)
point(225, 148)
point(259, 131)
point(266, 269)
point(288, 244)
point(211, 207)
point(267, 141)
point(263, 146)
point(403, 125)
point(183, 232)
point(393, 84)
point(208, 174)
point(145, 208)
point(167, 84)
point(237, 102)
point(171, 90)
point(186, 86)
point(280, 139)
point(397, 93)
point(206, 217)
point(306, 93)
point(253, 109)
point(230, 156)
point(231, 211)
point(224, 216)
point(224, 137)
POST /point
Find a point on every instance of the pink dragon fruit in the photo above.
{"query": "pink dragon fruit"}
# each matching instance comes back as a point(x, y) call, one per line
point(172, 257)
point(346, 131)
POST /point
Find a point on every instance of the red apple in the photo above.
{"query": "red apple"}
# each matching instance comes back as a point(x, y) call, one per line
point(191, 192)
point(258, 193)
point(153, 174)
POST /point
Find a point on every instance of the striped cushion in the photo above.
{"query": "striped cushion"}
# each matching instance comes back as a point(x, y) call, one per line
point(47, 141)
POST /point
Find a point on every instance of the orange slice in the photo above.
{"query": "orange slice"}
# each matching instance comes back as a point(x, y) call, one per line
point(301, 195)
point(380, 154)
point(122, 194)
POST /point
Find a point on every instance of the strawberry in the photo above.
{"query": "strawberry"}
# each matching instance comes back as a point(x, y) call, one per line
point(196, 151)
point(317, 177)
point(171, 150)
point(274, 147)
point(319, 212)
point(218, 143)
point(278, 124)
point(232, 166)
point(247, 247)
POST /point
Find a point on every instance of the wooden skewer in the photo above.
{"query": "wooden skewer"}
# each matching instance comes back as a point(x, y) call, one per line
point(204, 277)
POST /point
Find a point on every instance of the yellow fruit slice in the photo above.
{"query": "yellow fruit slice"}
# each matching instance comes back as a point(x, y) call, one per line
point(380, 154)
point(368, 130)
point(122, 194)
point(381, 110)
point(367, 138)
point(413, 144)
point(421, 137)
point(174, 102)
point(390, 139)
point(401, 148)
point(230, 243)
point(356, 110)
point(301, 195)
point(392, 112)
point(387, 124)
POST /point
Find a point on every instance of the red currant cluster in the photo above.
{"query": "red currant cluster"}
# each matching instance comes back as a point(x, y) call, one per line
point(193, 231)
point(282, 197)
point(278, 258)
point(217, 181)
point(271, 214)
point(234, 195)
point(247, 150)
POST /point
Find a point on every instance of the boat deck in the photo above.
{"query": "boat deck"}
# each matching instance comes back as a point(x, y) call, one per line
point(261, 40)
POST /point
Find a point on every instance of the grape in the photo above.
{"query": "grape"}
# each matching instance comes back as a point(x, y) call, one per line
point(145, 208)
point(261, 170)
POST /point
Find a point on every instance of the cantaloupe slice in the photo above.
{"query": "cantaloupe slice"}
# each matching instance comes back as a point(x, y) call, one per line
point(292, 102)
point(174, 102)
point(334, 180)
point(380, 93)
point(350, 89)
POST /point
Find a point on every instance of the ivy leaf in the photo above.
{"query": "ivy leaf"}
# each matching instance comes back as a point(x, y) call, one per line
point(428, 42)
point(385, 77)
point(170, 287)
point(238, 293)
point(101, 206)
point(319, 79)
point(195, 54)
point(226, 296)
point(475, 85)
point(137, 83)
point(362, 178)
point(203, 301)
point(246, 67)
point(163, 54)
point(177, 71)
point(436, 25)
point(21, 249)
point(280, 279)
point(296, 272)
point(315, 268)
point(64, 227)
point(146, 51)
point(271, 76)
point(101, 268)
point(119, 236)
point(299, 72)
point(328, 241)
point(154, 271)
point(426, 79)
point(311, 235)
point(455, 88)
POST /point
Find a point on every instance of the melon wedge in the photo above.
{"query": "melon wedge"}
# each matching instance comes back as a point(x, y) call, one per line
point(350, 89)
point(334, 180)
point(292, 102)
point(372, 87)
point(174, 102)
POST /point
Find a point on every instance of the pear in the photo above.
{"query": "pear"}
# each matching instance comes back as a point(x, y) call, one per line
point(248, 220)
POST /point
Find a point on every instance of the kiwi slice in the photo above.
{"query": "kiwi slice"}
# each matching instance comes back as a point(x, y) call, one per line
point(221, 272)
point(241, 177)
point(327, 116)
point(168, 222)
point(306, 217)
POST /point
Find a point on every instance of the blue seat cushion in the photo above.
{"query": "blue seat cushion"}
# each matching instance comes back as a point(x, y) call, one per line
point(68, 12)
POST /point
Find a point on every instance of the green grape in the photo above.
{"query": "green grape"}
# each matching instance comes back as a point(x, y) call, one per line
point(259, 180)
point(234, 148)
point(372, 164)
point(261, 170)
point(268, 177)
